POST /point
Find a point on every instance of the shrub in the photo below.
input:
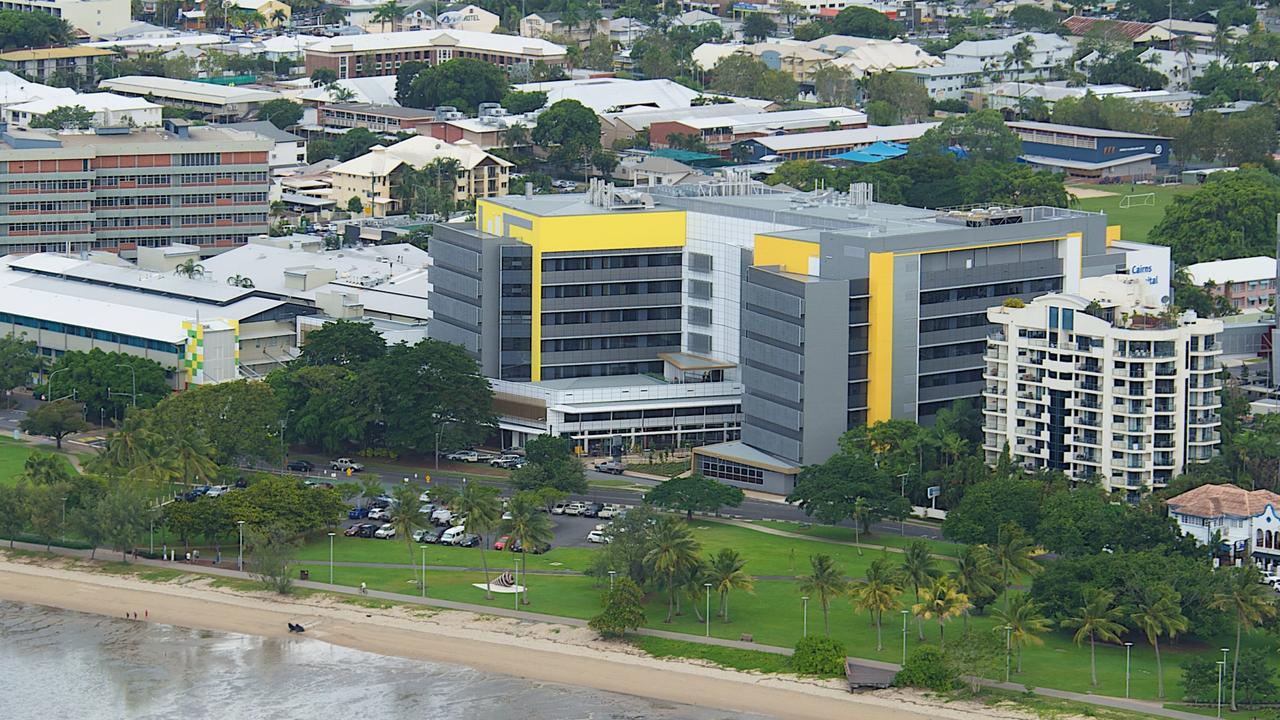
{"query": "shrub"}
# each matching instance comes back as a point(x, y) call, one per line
point(623, 610)
point(926, 668)
point(818, 655)
point(1014, 302)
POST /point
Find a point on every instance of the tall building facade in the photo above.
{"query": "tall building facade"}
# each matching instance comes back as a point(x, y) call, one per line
point(118, 188)
point(1101, 387)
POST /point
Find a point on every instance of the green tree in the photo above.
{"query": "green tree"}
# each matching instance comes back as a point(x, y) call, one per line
point(1249, 602)
point(829, 492)
point(862, 21)
point(927, 668)
point(758, 27)
point(388, 12)
point(727, 572)
point(569, 130)
point(281, 113)
point(18, 361)
point(352, 144)
point(19, 29)
point(834, 85)
point(1025, 620)
point(13, 511)
point(1097, 617)
point(1014, 554)
point(406, 519)
point(1157, 612)
point(121, 516)
point(550, 464)
point(56, 419)
point(1080, 522)
point(65, 117)
point(743, 75)
point(623, 610)
point(519, 102)
point(908, 98)
point(692, 493)
point(342, 342)
point(463, 83)
point(975, 576)
point(192, 455)
point(529, 526)
point(919, 570)
point(819, 656)
point(989, 505)
point(323, 76)
point(45, 510)
point(241, 420)
point(104, 381)
point(824, 581)
point(941, 601)
point(877, 593)
point(271, 553)
point(673, 551)
point(1033, 17)
point(983, 136)
point(479, 505)
point(1232, 215)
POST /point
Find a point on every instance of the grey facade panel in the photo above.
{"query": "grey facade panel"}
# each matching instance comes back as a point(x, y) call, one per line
point(906, 325)
point(778, 386)
point(967, 307)
point(759, 435)
point(589, 357)
point(456, 310)
point(758, 354)
point(575, 277)
point(943, 337)
point(777, 414)
point(607, 302)
point(699, 342)
point(950, 364)
point(447, 254)
point(783, 331)
point(699, 316)
point(951, 392)
point(639, 327)
point(826, 365)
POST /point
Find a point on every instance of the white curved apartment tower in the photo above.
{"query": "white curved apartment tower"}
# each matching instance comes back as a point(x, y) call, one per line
point(1107, 391)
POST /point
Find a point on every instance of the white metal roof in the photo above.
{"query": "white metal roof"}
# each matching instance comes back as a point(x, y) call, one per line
point(1233, 271)
point(839, 138)
point(492, 42)
point(93, 102)
point(186, 90)
point(604, 94)
point(784, 120)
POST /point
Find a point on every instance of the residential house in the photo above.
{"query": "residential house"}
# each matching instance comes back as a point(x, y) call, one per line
point(373, 177)
point(109, 110)
point(1247, 283)
point(68, 65)
point(551, 25)
point(1047, 52)
point(1246, 521)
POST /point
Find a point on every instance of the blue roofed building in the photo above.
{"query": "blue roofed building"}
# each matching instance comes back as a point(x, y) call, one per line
point(1091, 152)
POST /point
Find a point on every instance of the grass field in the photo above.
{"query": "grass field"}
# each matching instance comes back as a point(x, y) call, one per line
point(845, 534)
point(13, 455)
point(1135, 222)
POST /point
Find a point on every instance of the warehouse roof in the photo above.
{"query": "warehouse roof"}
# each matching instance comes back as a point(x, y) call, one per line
point(1232, 271)
point(840, 138)
point(170, 88)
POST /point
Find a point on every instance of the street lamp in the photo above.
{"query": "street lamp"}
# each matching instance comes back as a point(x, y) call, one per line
point(1008, 649)
point(49, 386)
point(806, 615)
point(331, 558)
point(1224, 666)
point(708, 587)
point(612, 573)
point(64, 519)
point(153, 536)
point(1127, 648)
point(902, 524)
point(424, 571)
point(240, 557)
point(904, 637)
point(1221, 664)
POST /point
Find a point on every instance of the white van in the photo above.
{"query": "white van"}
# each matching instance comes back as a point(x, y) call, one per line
point(442, 516)
point(453, 535)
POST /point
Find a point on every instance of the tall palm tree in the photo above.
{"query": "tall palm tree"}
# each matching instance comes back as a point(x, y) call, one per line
point(239, 280)
point(673, 551)
point(824, 581)
point(1025, 622)
point(407, 519)
point(975, 574)
point(1249, 601)
point(918, 570)
point(127, 447)
point(1020, 58)
point(1158, 611)
point(1014, 553)
point(727, 572)
point(941, 601)
point(193, 456)
point(860, 514)
point(528, 526)
point(279, 17)
point(333, 15)
point(479, 505)
point(1096, 618)
point(877, 593)
point(189, 268)
point(388, 12)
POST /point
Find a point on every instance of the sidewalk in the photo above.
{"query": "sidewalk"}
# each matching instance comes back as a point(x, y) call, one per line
point(872, 668)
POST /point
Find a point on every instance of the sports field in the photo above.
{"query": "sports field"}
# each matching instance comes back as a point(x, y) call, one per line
point(1137, 220)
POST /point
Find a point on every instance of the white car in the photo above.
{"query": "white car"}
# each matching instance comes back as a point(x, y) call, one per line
point(385, 532)
point(442, 516)
point(505, 461)
point(464, 456)
point(507, 515)
point(217, 490)
point(1268, 578)
point(418, 535)
point(575, 508)
point(379, 514)
point(427, 509)
point(425, 496)
point(558, 508)
point(608, 511)
point(598, 536)
point(344, 464)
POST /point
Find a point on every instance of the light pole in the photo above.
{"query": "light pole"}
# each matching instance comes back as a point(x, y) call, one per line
point(1008, 649)
point(424, 571)
point(64, 519)
point(49, 388)
point(806, 615)
point(708, 613)
point(133, 377)
point(904, 637)
point(331, 558)
point(1128, 647)
point(902, 524)
point(152, 545)
point(612, 573)
point(240, 557)
point(1224, 669)
point(1221, 664)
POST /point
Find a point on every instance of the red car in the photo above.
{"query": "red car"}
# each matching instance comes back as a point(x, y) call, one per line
point(351, 531)
point(501, 543)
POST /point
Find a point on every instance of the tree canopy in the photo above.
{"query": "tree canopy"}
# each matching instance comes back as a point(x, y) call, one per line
point(860, 21)
point(694, 493)
point(570, 130)
point(981, 135)
point(463, 83)
point(20, 29)
point(281, 113)
point(745, 76)
point(1231, 216)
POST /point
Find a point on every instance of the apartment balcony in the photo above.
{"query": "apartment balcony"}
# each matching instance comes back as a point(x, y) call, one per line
point(1088, 386)
point(1135, 447)
point(1088, 422)
point(1210, 438)
point(1093, 440)
point(1166, 370)
point(1089, 367)
point(1141, 391)
point(1029, 395)
point(1089, 403)
point(1163, 460)
point(1028, 377)
point(1088, 457)
point(1202, 420)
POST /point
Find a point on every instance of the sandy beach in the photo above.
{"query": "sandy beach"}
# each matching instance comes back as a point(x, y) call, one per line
point(535, 651)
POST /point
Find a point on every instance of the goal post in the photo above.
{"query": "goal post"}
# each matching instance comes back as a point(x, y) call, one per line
point(1137, 200)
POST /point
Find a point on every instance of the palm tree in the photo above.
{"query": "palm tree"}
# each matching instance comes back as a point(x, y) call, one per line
point(941, 601)
point(1014, 554)
point(388, 12)
point(479, 505)
point(1025, 622)
point(1096, 618)
point(516, 135)
point(370, 488)
point(128, 446)
point(725, 572)
point(239, 280)
point(333, 15)
point(407, 519)
point(824, 581)
point(189, 268)
point(193, 455)
point(528, 526)
point(279, 17)
point(975, 574)
point(860, 514)
point(340, 93)
point(1020, 58)
point(918, 570)
point(1158, 611)
point(1249, 601)
point(673, 551)
point(877, 593)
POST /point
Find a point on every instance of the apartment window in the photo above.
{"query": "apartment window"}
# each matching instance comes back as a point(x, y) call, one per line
point(699, 343)
point(699, 316)
point(700, 289)
point(699, 262)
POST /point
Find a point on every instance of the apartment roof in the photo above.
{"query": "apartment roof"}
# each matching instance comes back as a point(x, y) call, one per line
point(640, 118)
point(1213, 501)
point(837, 138)
point(93, 102)
point(265, 129)
point(58, 53)
point(14, 89)
point(604, 94)
point(375, 42)
point(376, 90)
point(1077, 25)
point(1079, 130)
point(786, 119)
point(393, 111)
point(1231, 271)
point(171, 88)
point(417, 151)
point(1043, 42)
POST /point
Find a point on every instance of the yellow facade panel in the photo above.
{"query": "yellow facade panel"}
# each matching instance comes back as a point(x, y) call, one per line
point(880, 338)
point(791, 255)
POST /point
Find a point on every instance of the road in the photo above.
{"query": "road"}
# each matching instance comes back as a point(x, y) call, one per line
point(751, 508)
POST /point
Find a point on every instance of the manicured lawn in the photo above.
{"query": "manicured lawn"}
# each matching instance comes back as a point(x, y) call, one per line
point(13, 455)
point(1136, 221)
point(845, 534)
point(725, 657)
point(661, 469)
point(372, 550)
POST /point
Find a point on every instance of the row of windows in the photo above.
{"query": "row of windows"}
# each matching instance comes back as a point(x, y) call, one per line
point(732, 471)
point(682, 412)
point(100, 335)
point(955, 322)
point(610, 289)
point(140, 180)
point(166, 201)
point(51, 207)
point(197, 178)
point(49, 185)
point(952, 378)
point(975, 292)
point(560, 372)
point(171, 220)
point(615, 342)
point(50, 227)
point(611, 262)
point(936, 352)
point(606, 316)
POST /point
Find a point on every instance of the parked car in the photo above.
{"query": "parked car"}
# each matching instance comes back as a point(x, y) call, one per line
point(357, 513)
point(367, 530)
point(379, 513)
point(558, 508)
point(427, 509)
point(453, 535)
point(385, 532)
point(351, 531)
point(612, 467)
point(421, 535)
point(502, 542)
point(241, 483)
point(609, 511)
point(442, 516)
point(425, 496)
point(217, 491)
point(598, 536)
point(201, 489)
point(1268, 578)
point(463, 456)
point(535, 550)
point(592, 509)
point(505, 461)
point(468, 540)
point(301, 465)
point(344, 464)
point(575, 508)
point(318, 484)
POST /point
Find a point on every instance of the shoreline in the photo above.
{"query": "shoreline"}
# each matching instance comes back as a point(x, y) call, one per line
point(533, 651)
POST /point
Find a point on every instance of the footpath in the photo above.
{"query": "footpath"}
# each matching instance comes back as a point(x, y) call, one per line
point(871, 669)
